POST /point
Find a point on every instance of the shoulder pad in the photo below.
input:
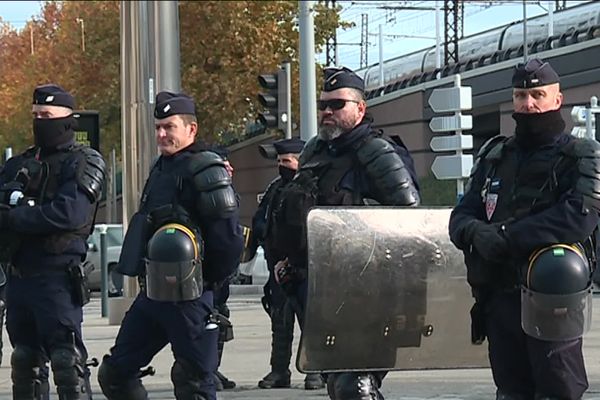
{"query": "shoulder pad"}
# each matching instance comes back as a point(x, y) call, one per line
point(583, 148)
point(202, 160)
point(216, 197)
point(310, 148)
point(91, 172)
point(390, 176)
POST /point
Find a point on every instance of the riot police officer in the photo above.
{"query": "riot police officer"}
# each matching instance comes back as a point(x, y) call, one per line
point(527, 192)
point(275, 302)
point(188, 196)
point(48, 198)
point(349, 163)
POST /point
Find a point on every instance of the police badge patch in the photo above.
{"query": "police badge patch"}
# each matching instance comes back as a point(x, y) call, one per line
point(491, 200)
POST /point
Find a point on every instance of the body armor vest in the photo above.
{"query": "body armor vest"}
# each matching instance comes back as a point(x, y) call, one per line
point(41, 178)
point(272, 199)
point(519, 184)
point(331, 171)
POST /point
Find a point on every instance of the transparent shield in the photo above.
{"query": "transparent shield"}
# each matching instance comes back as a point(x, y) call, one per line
point(387, 290)
point(555, 317)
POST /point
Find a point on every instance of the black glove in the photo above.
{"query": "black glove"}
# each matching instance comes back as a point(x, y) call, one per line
point(489, 240)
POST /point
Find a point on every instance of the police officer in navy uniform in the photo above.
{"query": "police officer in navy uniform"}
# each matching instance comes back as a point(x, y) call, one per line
point(48, 196)
point(349, 163)
point(526, 192)
point(189, 190)
point(275, 302)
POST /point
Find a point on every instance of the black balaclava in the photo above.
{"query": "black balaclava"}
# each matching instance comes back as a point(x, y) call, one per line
point(538, 129)
point(287, 174)
point(49, 133)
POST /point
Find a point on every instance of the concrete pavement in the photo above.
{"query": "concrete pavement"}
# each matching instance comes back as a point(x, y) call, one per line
point(246, 361)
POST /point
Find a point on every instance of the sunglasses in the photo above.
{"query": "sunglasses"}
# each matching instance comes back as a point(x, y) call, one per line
point(334, 104)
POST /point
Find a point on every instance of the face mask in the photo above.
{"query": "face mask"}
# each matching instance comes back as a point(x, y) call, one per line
point(538, 129)
point(287, 174)
point(52, 132)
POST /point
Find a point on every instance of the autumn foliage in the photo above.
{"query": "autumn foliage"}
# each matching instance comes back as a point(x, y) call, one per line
point(224, 46)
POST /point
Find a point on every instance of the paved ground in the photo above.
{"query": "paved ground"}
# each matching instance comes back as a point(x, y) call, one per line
point(246, 361)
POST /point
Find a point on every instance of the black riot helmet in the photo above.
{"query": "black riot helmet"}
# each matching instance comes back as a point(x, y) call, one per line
point(173, 264)
point(556, 294)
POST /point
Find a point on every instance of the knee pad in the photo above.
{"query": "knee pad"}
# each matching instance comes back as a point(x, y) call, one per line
point(115, 387)
point(353, 386)
point(66, 363)
point(28, 374)
point(190, 383)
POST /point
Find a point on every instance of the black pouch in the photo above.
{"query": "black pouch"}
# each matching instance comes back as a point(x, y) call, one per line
point(225, 328)
point(78, 275)
point(133, 250)
point(478, 332)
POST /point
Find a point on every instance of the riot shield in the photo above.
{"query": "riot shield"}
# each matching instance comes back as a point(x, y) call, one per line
point(387, 290)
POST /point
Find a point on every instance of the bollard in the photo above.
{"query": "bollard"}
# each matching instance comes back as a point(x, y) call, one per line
point(103, 270)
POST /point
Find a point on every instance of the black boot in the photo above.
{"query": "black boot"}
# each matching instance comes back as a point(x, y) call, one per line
point(282, 327)
point(222, 382)
point(313, 382)
point(275, 379)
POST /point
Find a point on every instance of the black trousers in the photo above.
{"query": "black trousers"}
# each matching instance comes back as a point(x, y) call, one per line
point(523, 365)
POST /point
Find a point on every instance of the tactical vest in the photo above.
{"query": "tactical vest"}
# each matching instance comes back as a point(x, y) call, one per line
point(331, 171)
point(43, 179)
point(519, 184)
point(272, 199)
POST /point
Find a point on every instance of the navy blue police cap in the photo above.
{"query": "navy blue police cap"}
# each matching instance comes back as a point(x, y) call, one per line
point(341, 77)
point(53, 95)
point(169, 103)
point(286, 146)
point(534, 73)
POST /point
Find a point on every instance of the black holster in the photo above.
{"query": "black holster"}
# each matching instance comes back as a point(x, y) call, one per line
point(478, 329)
point(78, 275)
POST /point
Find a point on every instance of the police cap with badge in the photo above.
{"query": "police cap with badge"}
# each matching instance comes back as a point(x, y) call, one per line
point(534, 73)
point(285, 146)
point(53, 95)
point(341, 77)
point(170, 103)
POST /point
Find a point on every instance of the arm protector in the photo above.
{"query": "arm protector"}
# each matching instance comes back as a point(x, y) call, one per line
point(216, 197)
point(588, 182)
point(387, 170)
point(91, 172)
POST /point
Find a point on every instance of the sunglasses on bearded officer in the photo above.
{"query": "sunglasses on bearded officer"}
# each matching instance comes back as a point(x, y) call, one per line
point(334, 104)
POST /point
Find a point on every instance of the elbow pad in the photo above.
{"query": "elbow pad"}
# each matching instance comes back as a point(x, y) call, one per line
point(588, 168)
point(388, 172)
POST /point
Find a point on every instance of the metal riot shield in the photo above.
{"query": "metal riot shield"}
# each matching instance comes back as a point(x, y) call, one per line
point(387, 290)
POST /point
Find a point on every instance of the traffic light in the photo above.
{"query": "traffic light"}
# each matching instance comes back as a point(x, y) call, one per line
point(276, 99)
